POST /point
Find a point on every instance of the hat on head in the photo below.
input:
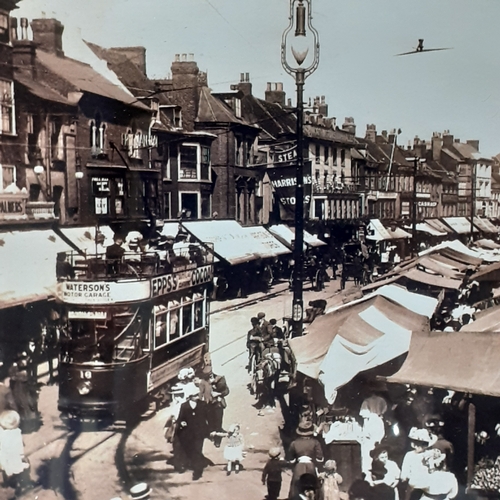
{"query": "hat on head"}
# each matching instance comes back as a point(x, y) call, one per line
point(305, 429)
point(261, 315)
point(183, 374)
point(378, 469)
point(140, 490)
point(233, 427)
point(191, 390)
point(422, 436)
point(330, 465)
point(254, 320)
point(274, 452)
point(272, 321)
point(308, 481)
point(9, 419)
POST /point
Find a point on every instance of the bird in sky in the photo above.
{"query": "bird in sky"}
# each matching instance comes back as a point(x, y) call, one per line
point(420, 48)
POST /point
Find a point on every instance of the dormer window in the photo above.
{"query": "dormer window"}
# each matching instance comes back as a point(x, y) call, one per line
point(155, 108)
point(237, 107)
point(174, 115)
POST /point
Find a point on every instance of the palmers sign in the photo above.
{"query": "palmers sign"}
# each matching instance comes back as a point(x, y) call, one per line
point(130, 290)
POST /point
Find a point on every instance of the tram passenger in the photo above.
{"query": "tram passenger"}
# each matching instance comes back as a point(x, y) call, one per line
point(64, 270)
point(114, 254)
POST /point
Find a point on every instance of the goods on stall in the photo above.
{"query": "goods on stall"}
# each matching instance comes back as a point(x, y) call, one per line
point(487, 475)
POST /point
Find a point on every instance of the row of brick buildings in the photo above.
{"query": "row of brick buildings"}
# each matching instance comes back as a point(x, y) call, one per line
point(100, 142)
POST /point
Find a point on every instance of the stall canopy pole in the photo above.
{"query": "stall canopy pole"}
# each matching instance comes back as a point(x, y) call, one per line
point(470, 443)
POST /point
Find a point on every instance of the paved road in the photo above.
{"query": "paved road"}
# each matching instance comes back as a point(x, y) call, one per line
point(146, 450)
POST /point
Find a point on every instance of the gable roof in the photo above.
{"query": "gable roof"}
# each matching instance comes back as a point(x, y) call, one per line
point(40, 90)
point(214, 110)
point(84, 78)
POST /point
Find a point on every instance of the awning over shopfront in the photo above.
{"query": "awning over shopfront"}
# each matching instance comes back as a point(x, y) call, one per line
point(376, 231)
point(439, 226)
point(485, 226)
point(28, 270)
point(234, 243)
point(286, 235)
point(461, 225)
point(359, 336)
point(269, 246)
point(459, 361)
point(423, 227)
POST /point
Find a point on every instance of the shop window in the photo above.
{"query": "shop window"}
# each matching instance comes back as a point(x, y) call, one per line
point(189, 205)
point(8, 174)
point(206, 205)
point(188, 162)
point(102, 192)
point(7, 125)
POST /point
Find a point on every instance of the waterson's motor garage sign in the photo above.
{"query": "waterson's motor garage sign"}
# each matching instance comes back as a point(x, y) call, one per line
point(115, 292)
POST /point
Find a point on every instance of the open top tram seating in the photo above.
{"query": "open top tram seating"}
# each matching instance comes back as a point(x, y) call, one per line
point(95, 266)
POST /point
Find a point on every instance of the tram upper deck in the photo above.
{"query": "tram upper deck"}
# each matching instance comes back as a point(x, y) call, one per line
point(91, 279)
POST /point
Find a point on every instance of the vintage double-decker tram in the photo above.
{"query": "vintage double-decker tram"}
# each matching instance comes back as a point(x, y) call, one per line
point(128, 326)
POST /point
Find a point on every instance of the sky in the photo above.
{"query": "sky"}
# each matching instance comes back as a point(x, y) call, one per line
point(359, 75)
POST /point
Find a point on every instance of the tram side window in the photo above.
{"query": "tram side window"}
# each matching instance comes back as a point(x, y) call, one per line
point(174, 330)
point(160, 325)
point(198, 311)
point(187, 315)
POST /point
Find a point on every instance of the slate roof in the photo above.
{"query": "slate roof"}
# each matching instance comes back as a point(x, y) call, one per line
point(214, 110)
point(84, 78)
point(466, 151)
point(40, 90)
point(274, 120)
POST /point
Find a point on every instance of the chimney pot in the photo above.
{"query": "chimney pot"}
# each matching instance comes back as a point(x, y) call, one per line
point(289, 103)
point(247, 77)
point(268, 86)
point(242, 77)
point(177, 58)
point(279, 86)
point(47, 34)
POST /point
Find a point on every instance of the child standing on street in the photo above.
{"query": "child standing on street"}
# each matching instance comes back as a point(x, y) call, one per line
point(233, 451)
point(330, 481)
point(271, 475)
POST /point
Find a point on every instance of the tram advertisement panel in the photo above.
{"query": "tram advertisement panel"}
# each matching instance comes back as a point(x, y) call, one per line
point(116, 292)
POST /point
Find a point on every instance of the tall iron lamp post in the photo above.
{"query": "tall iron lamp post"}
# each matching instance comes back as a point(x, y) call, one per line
point(300, 58)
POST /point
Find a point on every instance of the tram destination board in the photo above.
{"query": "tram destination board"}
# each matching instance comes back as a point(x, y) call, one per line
point(123, 291)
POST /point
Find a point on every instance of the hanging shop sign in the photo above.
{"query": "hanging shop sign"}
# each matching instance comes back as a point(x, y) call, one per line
point(283, 181)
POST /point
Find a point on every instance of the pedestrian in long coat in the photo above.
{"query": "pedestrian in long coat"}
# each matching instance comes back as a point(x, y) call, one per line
point(216, 412)
point(191, 431)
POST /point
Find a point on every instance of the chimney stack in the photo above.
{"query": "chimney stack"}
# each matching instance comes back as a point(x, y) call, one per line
point(447, 139)
point(275, 93)
point(323, 107)
point(436, 146)
point(185, 83)
point(371, 133)
point(349, 126)
point(47, 35)
point(245, 86)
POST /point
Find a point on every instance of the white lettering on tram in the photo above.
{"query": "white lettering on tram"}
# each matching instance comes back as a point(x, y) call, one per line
point(179, 281)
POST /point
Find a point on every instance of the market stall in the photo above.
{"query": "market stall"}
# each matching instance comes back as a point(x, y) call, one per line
point(466, 362)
